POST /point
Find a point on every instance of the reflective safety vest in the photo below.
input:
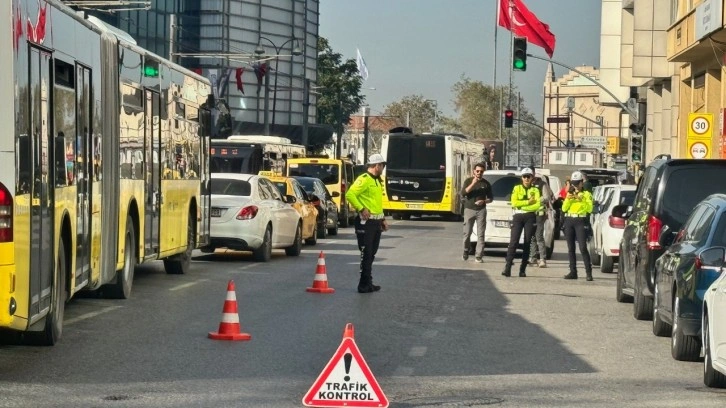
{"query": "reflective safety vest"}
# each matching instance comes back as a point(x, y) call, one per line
point(521, 197)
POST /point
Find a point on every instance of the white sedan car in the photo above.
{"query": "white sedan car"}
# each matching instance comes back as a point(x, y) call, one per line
point(499, 213)
point(249, 214)
point(607, 231)
point(714, 331)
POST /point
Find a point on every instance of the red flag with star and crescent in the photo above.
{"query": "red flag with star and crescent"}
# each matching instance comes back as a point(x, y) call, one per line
point(523, 23)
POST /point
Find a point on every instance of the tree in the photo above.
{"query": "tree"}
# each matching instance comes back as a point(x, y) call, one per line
point(414, 111)
point(339, 85)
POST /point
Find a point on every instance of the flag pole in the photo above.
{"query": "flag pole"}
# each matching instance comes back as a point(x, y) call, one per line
point(511, 61)
point(496, 30)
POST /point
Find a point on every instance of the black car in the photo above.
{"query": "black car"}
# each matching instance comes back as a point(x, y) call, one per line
point(323, 201)
point(683, 274)
point(667, 192)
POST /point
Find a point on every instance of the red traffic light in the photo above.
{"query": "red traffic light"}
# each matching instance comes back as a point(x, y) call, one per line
point(508, 118)
point(508, 113)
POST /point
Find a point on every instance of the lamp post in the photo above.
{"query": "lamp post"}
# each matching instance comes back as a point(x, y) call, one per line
point(261, 51)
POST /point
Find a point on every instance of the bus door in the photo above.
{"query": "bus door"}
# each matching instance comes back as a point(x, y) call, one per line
point(152, 147)
point(83, 185)
point(41, 209)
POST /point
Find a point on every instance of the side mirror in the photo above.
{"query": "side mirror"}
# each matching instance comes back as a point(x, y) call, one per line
point(666, 237)
point(713, 256)
point(621, 211)
point(335, 194)
point(290, 199)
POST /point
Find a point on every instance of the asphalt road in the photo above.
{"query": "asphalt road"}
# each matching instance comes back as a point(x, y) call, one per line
point(441, 332)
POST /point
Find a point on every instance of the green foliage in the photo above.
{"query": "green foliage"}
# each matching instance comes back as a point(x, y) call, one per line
point(339, 87)
point(421, 114)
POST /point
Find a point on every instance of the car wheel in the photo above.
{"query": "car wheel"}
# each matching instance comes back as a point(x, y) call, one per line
point(642, 305)
point(660, 328)
point(322, 231)
point(343, 218)
point(619, 295)
point(594, 256)
point(264, 252)
point(296, 247)
point(607, 263)
point(396, 216)
point(683, 347)
point(313, 238)
point(711, 377)
point(334, 230)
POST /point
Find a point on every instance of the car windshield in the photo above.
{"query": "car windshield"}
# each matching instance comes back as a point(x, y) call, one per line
point(326, 172)
point(222, 186)
point(502, 185)
point(627, 197)
point(308, 184)
point(687, 186)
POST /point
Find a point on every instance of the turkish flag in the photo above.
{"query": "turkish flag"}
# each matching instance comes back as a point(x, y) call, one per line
point(523, 23)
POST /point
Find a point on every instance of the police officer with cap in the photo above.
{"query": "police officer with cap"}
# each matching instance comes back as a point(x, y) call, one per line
point(525, 203)
point(366, 196)
point(576, 209)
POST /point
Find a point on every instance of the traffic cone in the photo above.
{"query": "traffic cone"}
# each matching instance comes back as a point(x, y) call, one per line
point(229, 328)
point(320, 282)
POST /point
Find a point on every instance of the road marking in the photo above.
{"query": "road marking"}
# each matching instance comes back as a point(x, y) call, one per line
point(186, 285)
point(90, 315)
point(403, 371)
point(440, 319)
point(418, 351)
point(333, 241)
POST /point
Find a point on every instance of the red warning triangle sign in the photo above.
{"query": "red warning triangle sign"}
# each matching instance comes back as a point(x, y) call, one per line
point(346, 381)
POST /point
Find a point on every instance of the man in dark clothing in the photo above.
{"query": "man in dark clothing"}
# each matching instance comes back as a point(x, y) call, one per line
point(477, 193)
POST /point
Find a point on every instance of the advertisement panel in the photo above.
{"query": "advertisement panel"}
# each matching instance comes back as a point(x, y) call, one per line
point(494, 154)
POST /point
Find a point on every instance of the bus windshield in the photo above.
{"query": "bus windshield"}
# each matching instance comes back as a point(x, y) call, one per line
point(416, 153)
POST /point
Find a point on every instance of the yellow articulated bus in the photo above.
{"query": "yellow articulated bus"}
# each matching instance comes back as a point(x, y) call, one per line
point(425, 172)
point(103, 163)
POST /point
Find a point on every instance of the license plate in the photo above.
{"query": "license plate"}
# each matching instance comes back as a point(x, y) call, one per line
point(501, 224)
point(414, 205)
point(216, 212)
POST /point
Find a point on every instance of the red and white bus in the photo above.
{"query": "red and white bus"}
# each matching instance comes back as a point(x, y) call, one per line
point(103, 163)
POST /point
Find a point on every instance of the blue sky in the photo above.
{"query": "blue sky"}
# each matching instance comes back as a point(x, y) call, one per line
point(424, 46)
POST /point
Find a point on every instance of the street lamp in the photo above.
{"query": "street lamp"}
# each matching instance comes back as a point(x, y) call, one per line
point(260, 51)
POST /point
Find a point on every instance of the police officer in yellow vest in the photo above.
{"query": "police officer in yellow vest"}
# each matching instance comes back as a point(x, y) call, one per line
point(366, 195)
point(525, 203)
point(577, 208)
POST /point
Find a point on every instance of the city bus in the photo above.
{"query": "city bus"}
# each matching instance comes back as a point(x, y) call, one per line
point(103, 163)
point(425, 172)
point(250, 154)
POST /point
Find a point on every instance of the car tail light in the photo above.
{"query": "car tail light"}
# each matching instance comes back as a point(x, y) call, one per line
point(698, 264)
point(6, 215)
point(615, 251)
point(616, 222)
point(247, 213)
point(654, 228)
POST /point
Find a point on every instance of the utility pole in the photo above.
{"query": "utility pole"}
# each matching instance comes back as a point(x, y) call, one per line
point(519, 145)
point(366, 113)
point(267, 102)
point(306, 112)
point(172, 36)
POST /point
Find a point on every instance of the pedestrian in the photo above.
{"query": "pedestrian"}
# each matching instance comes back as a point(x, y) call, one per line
point(577, 208)
point(366, 196)
point(477, 193)
point(563, 190)
point(525, 203)
point(538, 250)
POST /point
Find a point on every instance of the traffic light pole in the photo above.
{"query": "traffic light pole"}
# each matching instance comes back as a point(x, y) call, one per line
point(622, 105)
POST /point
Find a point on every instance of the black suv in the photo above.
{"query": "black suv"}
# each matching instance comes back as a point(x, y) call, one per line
point(667, 193)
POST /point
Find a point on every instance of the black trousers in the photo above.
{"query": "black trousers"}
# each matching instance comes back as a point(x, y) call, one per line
point(526, 222)
point(369, 237)
point(576, 230)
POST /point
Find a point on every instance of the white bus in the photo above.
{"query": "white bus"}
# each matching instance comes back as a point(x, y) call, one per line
point(250, 154)
point(425, 172)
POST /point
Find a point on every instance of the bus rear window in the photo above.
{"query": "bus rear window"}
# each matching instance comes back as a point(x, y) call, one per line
point(328, 173)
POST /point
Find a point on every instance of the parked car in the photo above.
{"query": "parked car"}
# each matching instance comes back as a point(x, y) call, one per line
point(682, 275)
point(298, 198)
point(600, 176)
point(714, 327)
point(499, 213)
point(600, 194)
point(668, 191)
point(249, 214)
point(607, 230)
point(323, 201)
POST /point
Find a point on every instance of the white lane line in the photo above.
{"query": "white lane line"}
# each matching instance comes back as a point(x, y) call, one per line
point(429, 334)
point(403, 371)
point(333, 241)
point(418, 351)
point(440, 319)
point(90, 315)
point(186, 285)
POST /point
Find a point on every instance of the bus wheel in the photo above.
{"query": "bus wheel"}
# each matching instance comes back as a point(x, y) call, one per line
point(121, 289)
point(396, 216)
point(179, 264)
point(406, 216)
point(53, 329)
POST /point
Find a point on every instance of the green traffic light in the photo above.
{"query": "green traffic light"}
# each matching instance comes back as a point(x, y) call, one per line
point(151, 71)
point(519, 64)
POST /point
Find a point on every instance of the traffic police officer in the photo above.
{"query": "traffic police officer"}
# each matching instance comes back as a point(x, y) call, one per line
point(366, 196)
point(525, 203)
point(576, 209)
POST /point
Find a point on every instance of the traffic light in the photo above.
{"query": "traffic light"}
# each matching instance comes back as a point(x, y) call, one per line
point(519, 54)
point(508, 118)
point(636, 147)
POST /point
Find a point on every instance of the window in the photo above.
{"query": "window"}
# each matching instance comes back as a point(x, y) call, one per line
point(686, 187)
point(558, 156)
point(719, 236)
point(687, 233)
point(232, 187)
point(646, 186)
point(263, 191)
point(700, 235)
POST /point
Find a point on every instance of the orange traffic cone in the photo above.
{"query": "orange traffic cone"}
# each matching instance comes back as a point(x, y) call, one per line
point(229, 328)
point(320, 282)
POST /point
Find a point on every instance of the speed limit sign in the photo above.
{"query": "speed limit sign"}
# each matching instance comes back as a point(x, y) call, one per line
point(700, 125)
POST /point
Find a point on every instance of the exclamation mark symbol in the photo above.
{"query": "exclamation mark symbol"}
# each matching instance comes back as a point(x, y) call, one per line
point(347, 357)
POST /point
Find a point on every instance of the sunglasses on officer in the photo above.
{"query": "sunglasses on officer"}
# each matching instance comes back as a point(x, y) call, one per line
point(526, 176)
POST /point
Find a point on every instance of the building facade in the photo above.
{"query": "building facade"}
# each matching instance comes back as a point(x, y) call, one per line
point(236, 43)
